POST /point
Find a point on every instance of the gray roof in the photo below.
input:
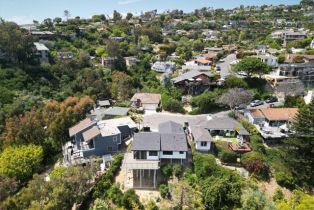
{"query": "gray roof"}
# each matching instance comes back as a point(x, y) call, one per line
point(146, 142)
point(170, 137)
point(117, 111)
point(200, 134)
point(191, 75)
point(104, 103)
point(219, 123)
point(173, 142)
point(170, 127)
point(224, 123)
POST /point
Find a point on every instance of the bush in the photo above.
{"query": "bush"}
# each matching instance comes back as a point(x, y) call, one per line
point(130, 200)
point(257, 144)
point(158, 109)
point(233, 81)
point(204, 165)
point(21, 162)
point(106, 180)
point(228, 157)
point(254, 162)
point(173, 105)
point(177, 170)
point(164, 190)
point(166, 170)
point(294, 101)
point(278, 195)
point(285, 179)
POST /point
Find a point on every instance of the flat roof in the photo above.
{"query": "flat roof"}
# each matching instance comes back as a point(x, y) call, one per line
point(117, 111)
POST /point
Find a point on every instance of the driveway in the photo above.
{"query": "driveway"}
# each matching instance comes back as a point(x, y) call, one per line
point(153, 120)
point(225, 66)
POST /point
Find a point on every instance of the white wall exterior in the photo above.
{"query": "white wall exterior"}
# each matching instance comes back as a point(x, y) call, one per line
point(150, 106)
point(201, 148)
point(175, 155)
point(153, 157)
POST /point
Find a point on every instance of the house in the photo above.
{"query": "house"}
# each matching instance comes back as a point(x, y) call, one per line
point(65, 55)
point(151, 149)
point(92, 137)
point(147, 101)
point(101, 113)
point(268, 59)
point(42, 52)
point(302, 71)
point(288, 35)
point(43, 35)
point(205, 131)
point(213, 50)
point(198, 65)
point(312, 44)
point(272, 123)
point(108, 62)
point(164, 67)
point(104, 103)
point(194, 82)
point(131, 61)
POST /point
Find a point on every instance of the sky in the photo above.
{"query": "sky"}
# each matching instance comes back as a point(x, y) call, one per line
point(25, 11)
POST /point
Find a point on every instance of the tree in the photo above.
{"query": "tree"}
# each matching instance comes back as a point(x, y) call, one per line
point(222, 191)
point(235, 97)
point(185, 196)
point(129, 16)
point(306, 3)
point(66, 14)
point(21, 162)
point(298, 201)
point(300, 147)
point(255, 163)
point(121, 86)
point(252, 65)
point(255, 199)
point(116, 16)
point(233, 82)
point(57, 20)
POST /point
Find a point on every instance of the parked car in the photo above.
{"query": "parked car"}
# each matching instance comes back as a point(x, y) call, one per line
point(271, 100)
point(256, 103)
point(218, 68)
point(242, 73)
point(241, 107)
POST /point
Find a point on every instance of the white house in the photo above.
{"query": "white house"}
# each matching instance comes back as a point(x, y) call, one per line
point(164, 67)
point(268, 59)
point(42, 52)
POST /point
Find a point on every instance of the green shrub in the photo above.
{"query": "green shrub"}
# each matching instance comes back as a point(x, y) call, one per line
point(158, 109)
point(130, 200)
point(278, 195)
point(255, 163)
point(285, 179)
point(177, 170)
point(164, 190)
point(257, 143)
point(204, 165)
point(21, 162)
point(233, 81)
point(166, 170)
point(228, 157)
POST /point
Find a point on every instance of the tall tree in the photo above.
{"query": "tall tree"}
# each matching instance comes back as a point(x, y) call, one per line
point(251, 65)
point(300, 147)
point(235, 97)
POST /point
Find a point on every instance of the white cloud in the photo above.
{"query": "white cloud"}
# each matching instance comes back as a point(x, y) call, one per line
point(20, 19)
point(126, 2)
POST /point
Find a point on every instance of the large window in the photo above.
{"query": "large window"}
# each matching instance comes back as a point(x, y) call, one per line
point(167, 152)
point(181, 152)
point(153, 153)
point(203, 143)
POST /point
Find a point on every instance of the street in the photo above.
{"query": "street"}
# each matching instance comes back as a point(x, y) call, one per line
point(225, 66)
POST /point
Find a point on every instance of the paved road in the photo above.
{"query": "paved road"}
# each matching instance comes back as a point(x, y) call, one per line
point(225, 66)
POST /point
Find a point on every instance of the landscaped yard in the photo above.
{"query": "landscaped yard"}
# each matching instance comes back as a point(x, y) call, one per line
point(233, 140)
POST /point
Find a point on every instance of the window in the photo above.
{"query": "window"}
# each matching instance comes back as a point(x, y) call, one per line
point(109, 149)
point(153, 153)
point(167, 152)
point(115, 138)
point(181, 152)
point(203, 144)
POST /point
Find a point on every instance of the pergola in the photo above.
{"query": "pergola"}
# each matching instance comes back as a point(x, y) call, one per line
point(130, 164)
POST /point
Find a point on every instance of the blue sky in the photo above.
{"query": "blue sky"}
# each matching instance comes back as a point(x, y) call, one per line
point(25, 11)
